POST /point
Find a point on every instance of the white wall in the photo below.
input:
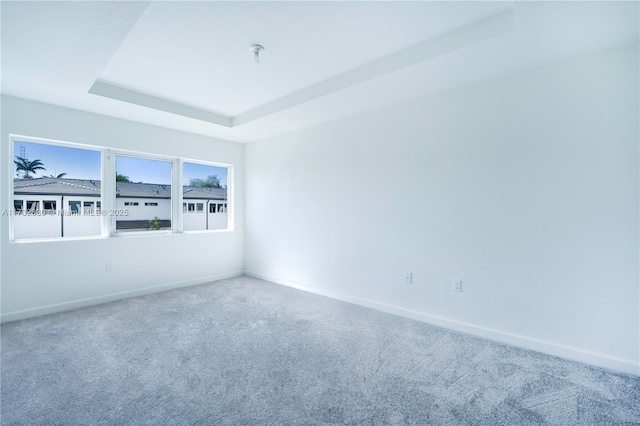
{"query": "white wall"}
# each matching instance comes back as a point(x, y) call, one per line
point(203, 220)
point(141, 212)
point(76, 272)
point(52, 224)
point(217, 220)
point(39, 225)
point(525, 187)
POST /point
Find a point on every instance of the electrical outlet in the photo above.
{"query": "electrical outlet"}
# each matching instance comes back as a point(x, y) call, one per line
point(108, 266)
point(408, 277)
point(457, 285)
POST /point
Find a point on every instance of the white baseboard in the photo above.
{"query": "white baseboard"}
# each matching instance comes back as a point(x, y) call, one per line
point(562, 351)
point(82, 303)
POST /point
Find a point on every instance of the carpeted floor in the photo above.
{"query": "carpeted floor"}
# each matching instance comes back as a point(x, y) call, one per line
point(247, 352)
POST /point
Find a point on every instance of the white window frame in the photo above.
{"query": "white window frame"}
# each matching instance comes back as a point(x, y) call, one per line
point(230, 201)
point(13, 138)
point(153, 157)
point(107, 197)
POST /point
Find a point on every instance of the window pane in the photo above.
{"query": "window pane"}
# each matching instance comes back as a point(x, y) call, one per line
point(44, 176)
point(33, 206)
point(49, 207)
point(87, 207)
point(205, 186)
point(143, 194)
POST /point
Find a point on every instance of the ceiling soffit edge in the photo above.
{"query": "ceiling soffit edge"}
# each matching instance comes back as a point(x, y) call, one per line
point(476, 32)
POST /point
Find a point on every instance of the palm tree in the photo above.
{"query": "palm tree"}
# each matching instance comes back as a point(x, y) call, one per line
point(26, 166)
point(61, 175)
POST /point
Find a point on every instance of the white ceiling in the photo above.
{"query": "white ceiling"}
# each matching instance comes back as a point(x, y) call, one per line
point(187, 65)
point(306, 43)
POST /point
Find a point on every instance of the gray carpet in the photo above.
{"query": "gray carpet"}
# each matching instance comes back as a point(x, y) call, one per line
point(247, 352)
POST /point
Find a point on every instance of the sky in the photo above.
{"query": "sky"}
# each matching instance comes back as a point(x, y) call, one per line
point(85, 164)
point(77, 163)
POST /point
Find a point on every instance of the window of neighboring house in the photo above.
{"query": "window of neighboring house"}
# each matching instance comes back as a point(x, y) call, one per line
point(141, 177)
point(87, 207)
point(74, 206)
point(54, 172)
point(49, 206)
point(204, 182)
point(33, 206)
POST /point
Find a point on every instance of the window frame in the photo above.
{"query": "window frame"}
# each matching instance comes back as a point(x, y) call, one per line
point(13, 138)
point(52, 203)
point(230, 195)
point(107, 199)
point(153, 157)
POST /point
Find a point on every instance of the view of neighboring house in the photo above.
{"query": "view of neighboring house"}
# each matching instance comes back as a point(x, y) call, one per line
point(57, 207)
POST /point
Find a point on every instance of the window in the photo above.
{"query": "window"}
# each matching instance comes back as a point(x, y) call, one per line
point(143, 178)
point(33, 206)
point(49, 207)
point(57, 192)
point(47, 178)
point(74, 207)
point(88, 207)
point(204, 184)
